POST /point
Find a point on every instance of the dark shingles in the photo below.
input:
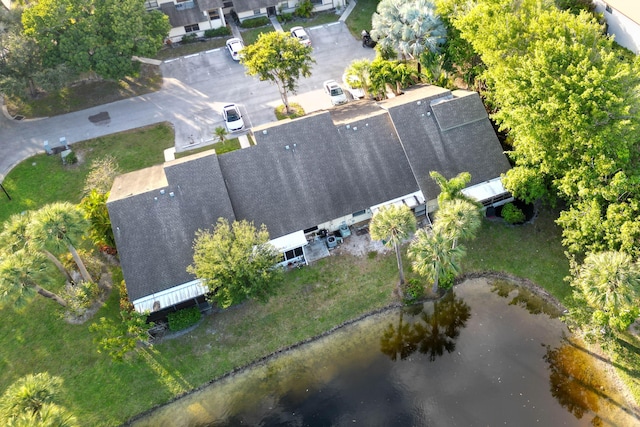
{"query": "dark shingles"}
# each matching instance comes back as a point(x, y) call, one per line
point(331, 172)
point(154, 232)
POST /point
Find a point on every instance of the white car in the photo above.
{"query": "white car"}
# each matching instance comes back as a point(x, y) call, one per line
point(232, 117)
point(301, 35)
point(335, 92)
point(349, 82)
point(234, 46)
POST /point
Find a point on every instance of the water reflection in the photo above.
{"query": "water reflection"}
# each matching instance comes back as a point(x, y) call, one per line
point(431, 331)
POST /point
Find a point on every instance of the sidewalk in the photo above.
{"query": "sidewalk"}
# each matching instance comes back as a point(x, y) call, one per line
point(348, 10)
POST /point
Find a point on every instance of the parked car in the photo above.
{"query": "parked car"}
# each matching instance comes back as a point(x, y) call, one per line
point(234, 46)
point(301, 35)
point(349, 82)
point(335, 92)
point(232, 117)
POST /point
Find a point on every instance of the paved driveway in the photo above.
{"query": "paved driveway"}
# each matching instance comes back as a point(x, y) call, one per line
point(194, 91)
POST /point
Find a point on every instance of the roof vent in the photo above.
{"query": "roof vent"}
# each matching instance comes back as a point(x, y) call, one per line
point(264, 132)
point(286, 147)
point(162, 191)
point(419, 102)
point(429, 113)
point(171, 194)
point(366, 124)
point(355, 128)
point(348, 126)
point(155, 198)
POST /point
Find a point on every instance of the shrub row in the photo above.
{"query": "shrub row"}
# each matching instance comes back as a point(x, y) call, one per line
point(260, 21)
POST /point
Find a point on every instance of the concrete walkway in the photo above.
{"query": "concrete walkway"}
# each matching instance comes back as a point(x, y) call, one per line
point(275, 23)
point(348, 10)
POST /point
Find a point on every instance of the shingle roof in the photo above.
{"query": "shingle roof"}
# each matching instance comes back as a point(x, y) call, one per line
point(154, 232)
point(330, 172)
point(448, 133)
point(247, 5)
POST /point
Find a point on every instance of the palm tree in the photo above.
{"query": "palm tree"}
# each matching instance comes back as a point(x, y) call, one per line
point(221, 133)
point(452, 188)
point(58, 225)
point(408, 26)
point(434, 255)
point(30, 401)
point(393, 224)
point(21, 273)
point(458, 219)
point(14, 237)
point(609, 281)
point(359, 69)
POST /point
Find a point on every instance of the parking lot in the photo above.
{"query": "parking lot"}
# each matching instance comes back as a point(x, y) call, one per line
point(203, 83)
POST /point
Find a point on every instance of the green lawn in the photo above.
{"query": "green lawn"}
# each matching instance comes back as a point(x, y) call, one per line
point(360, 18)
point(43, 179)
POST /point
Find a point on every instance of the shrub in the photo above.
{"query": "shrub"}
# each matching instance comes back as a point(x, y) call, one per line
point(184, 318)
point(285, 17)
point(70, 159)
point(512, 214)
point(414, 290)
point(189, 38)
point(296, 111)
point(81, 297)
point(260, 21)
point(217, 32)
point(304, 9)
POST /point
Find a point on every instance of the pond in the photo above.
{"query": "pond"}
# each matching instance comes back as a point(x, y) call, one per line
point(486, 354)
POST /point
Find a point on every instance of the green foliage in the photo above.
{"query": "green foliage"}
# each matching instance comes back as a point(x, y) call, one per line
point(392, 224)
point(285, 17)
point(80, 297)
point(358, 75)
point(304, 9)
point(217, 32)
point(576, 6)
point(189, 38)
point(435, 257)
point(408, 26)
point(414, 290)
point(120, 339)
point(512, 214)
point(570, 104)
point(394, 75)
point(458, 219)
point(70, 159)
point(278, 58)
point(260, 21)
point(221, 133)
point(236, 262)
point(452, 189)
point(32, 400)
point(95, 36)
point(184, 318)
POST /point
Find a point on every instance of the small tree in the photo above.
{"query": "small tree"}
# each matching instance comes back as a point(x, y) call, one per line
point(236, 262)
point(393, 224)
point(435, 256)
point(458, 219)
point(280, 59)
point(101, 175)
point(95, 210)
point(221, 133)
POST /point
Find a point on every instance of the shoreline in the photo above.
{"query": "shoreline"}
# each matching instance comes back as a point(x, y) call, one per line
point(609, 372)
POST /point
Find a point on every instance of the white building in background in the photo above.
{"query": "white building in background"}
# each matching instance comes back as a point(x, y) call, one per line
point(623, 21)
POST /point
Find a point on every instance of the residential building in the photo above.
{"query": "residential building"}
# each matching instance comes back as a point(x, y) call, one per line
point(623, 21)
point(304, 179)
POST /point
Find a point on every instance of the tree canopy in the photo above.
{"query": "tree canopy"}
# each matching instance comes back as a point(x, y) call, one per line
point(95, 36)
point(236, 262)
point(278, 58)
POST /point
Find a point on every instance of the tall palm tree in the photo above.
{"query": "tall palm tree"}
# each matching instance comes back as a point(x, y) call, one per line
point(609, 281)
point(359, 69)
point(59, 225)
point(458, 219)
point(31, 401)
point(21, 274)
point(434, 255)
point(452, 188)
point(393, 224)
point(14, 237)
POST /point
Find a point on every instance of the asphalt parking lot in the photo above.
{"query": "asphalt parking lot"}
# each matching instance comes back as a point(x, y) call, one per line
point(212, 79)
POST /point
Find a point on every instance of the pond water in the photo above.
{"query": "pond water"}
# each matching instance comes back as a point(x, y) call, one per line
point(479, 357)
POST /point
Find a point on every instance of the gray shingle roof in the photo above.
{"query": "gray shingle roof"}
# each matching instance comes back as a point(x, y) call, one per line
point(338, 162)
point(154, 232)
point(247, 5)
point(467, 142)
point(331, 172)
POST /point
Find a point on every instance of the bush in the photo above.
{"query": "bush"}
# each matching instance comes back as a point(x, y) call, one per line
point(285, 17)
point(80, 297)
point(512, 214)
point(189, 38)
point(304, 9)
point(414, 290)
point(184, 318)
point(70, 159)
point(217, 32)
point(260, 21)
